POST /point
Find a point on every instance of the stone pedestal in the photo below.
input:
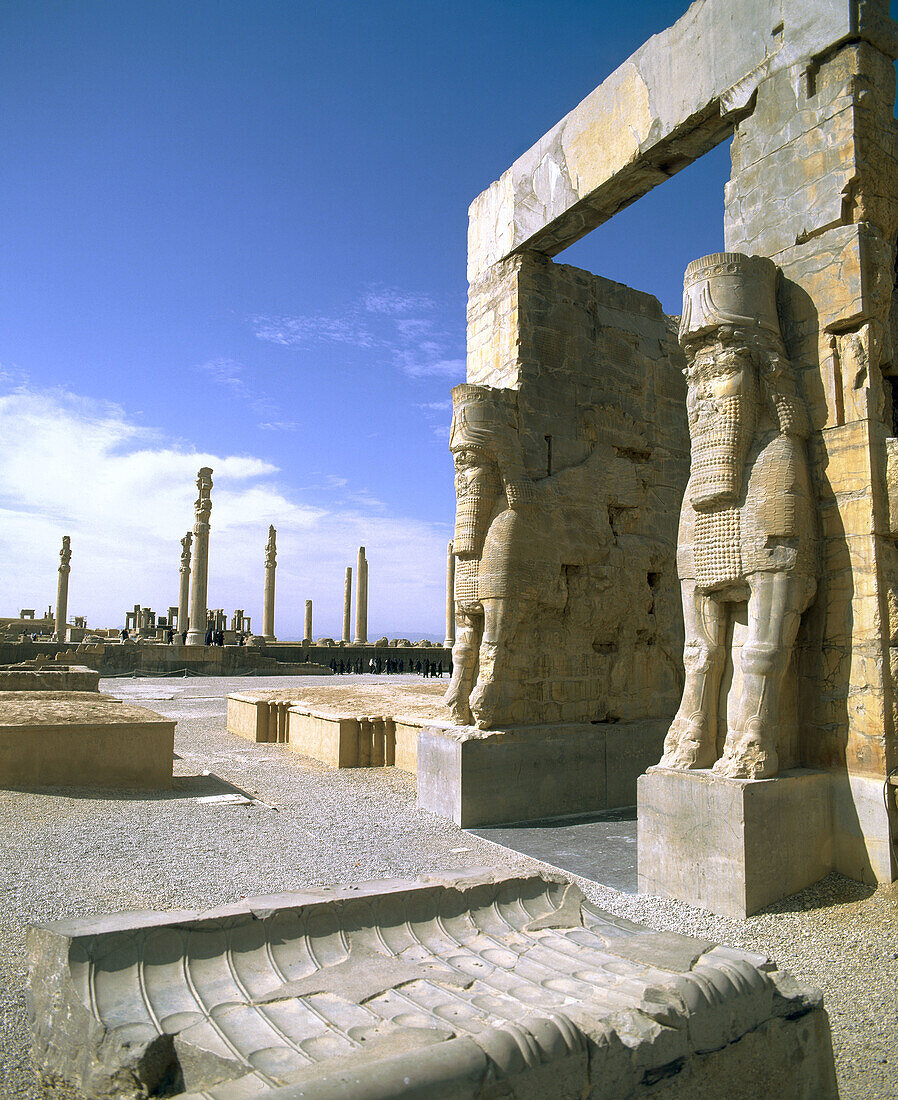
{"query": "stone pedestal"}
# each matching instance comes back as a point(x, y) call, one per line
point(732, 846)
point(492, 777)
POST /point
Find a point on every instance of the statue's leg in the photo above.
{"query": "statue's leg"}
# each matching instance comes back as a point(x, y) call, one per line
point(468, 628)
point(691, 741)
point(495, 688)
point(774, 614)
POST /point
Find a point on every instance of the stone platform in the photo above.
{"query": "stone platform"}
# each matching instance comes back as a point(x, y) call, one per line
point(450, 986)
point(346, 726)
point(490, 777)
point(82, 739)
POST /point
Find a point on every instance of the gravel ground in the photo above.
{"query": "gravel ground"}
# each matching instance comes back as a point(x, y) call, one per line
point(67, 853)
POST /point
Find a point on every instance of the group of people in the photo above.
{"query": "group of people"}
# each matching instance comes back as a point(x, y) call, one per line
point(390, 666)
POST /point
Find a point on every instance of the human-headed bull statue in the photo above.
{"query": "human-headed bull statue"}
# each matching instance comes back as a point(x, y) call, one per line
point(748, 520)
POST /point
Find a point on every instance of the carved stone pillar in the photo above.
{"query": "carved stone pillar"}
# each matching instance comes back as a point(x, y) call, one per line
point(361, 600)
point(449, 640)
point(62, 588)
point(196, 635)
point(270, 566)
point(307, 636)
point(184, 593)
point(347, 606)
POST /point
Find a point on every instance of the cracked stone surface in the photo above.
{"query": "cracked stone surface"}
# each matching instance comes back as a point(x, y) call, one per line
point(473, 984)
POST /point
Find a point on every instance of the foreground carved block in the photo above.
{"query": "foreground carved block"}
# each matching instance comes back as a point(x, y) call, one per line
point(733, 846)
point(82, 739)
point(449, 987)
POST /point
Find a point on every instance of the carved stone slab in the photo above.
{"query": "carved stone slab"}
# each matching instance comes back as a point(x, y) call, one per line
point(462, 986)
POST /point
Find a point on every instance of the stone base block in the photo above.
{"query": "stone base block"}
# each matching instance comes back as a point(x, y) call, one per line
point(729, 845)
point(490, 777)
point(82, 739)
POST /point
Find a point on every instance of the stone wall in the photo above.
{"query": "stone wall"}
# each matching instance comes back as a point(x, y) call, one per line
point(597, 372)
point(815, 187)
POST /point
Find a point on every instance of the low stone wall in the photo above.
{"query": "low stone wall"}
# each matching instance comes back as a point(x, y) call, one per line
point(51, 677)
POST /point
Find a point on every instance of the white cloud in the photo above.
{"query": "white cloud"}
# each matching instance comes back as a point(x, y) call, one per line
point(404, 327)
point(69, 465)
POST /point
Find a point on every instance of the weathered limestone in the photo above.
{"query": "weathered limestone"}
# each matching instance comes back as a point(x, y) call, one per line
point(62, 588)
point(807, 91)
point(184, 591)
point(196, 635)
point(347, 606)
point(82, 739)
point(449, 640)
point(567, 768)
point(571, 453)
point(268, 605)
point(37, 676)
point(353, 727)
point(307, 636)
point(729, 845)
point(451, 986)
point(748, 525)
point(676, 97)
point(361, 599)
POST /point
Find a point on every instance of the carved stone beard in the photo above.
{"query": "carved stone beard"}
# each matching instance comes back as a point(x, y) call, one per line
point(721, 428)
point(475, 502)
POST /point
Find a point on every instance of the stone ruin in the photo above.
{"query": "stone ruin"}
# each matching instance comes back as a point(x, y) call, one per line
point(574, 437)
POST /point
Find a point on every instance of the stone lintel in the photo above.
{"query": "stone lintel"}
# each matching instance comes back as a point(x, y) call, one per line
point(733, 846)
point(675, 98)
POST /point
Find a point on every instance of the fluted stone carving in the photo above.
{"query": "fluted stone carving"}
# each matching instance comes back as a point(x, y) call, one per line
point(748, 520)
point(270, 566)
point(62, 587)
point(196, 635)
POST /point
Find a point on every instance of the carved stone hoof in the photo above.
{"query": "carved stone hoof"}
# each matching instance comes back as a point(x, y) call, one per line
point(748, 760)
point(486, 703)
point(458, 707)
point(687, 744)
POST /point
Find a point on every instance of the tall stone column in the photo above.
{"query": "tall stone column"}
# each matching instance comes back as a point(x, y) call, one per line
point(270, 566)
point(196, 635)
point(184, 593)
point(62, 588)
point(347, 605)
point(449, 640)
point(307, 637)
point(361, 599)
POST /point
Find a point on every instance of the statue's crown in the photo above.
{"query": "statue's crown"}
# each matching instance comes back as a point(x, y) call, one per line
point(729, 288)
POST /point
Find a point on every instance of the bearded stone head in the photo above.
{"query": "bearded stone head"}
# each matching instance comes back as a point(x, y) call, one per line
point(486, 448)
point(736, 367)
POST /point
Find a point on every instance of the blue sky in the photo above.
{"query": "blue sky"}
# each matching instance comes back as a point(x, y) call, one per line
point(234, 235)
